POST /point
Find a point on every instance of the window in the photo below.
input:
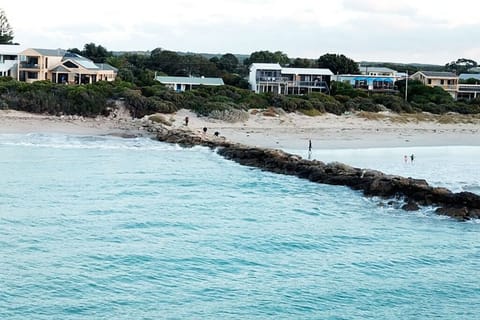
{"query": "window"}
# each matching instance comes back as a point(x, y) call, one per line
point(429, 81)
point(70, 64)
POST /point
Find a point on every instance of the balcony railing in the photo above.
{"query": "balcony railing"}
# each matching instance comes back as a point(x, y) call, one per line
point(291, 83)
point(469, 88)
point(26, 65)
point(447, 86)
point(271, 79)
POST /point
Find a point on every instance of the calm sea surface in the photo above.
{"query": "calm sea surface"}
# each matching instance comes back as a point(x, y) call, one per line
point(110, 228)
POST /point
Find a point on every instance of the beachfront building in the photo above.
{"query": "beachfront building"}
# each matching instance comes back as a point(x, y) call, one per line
point(377, 79)
point(181, 84)
point(471, 90)
point(448, 81)
point(9, 56)
point(35, 63)
point(75, 69)
point(376, 83)
point(271, 77)
point(61, 66)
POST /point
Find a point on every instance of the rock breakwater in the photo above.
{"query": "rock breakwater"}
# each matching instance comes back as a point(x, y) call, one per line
point(412, 192)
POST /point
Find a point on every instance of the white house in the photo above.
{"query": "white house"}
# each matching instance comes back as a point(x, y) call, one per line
point(469, 91)
point(271, 77)
point(9, 57)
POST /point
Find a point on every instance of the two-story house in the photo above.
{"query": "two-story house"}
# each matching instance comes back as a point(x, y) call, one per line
point(60, 66)
point(35, 63)
point(271, 77)
point(376, 79)
point(448, 81)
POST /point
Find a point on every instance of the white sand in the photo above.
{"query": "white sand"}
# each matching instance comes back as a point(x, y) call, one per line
point(12, 121)
point(293, 131)
point(286, 131)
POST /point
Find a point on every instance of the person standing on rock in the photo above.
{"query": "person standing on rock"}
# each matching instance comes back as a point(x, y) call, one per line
point(309, 149)
point(186, 121)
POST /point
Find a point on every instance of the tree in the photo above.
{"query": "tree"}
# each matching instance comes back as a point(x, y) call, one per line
point(461, 65)
point(267, 57)
point(6, 32)
point(303, 63)
point(228, 62)
point(96, 53)
point(168, 62)
point(338, 64)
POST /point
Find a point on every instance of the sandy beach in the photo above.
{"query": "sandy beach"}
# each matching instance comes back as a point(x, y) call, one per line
point(290, 131)
point(293, 131)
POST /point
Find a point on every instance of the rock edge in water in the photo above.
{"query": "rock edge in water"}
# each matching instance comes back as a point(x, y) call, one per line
point(415, 192)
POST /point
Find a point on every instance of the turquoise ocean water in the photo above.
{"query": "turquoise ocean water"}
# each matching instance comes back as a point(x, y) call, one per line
point(110, 228)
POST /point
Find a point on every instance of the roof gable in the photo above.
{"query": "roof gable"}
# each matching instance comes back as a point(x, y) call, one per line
point(438, 74)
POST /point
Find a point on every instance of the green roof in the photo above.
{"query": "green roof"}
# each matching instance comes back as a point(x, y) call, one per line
point(190, 80)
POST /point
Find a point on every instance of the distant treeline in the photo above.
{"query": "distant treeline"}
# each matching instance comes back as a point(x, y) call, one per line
point(98, 99)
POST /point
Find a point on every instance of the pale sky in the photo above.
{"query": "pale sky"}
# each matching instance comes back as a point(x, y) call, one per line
point(423, 31)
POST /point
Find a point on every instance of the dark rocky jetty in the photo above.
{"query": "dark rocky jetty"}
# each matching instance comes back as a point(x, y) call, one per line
point(412, 193)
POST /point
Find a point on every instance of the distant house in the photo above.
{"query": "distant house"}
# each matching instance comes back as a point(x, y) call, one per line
point(378, 71)
point(271, 77)
point(9, 57)
point(368, 82)
point(448, 81)
point(181, 84)
point(469, 91)
point(60, 66)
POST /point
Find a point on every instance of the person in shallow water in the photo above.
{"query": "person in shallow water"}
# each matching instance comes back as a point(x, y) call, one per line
point(412, 157)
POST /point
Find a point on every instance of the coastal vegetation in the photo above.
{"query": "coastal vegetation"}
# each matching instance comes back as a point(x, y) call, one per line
point(142, 95)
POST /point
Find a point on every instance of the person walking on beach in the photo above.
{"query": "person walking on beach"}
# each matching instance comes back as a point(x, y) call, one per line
point(186, 121)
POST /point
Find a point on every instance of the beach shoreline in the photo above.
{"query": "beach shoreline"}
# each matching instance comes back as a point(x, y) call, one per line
point(286, 131)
